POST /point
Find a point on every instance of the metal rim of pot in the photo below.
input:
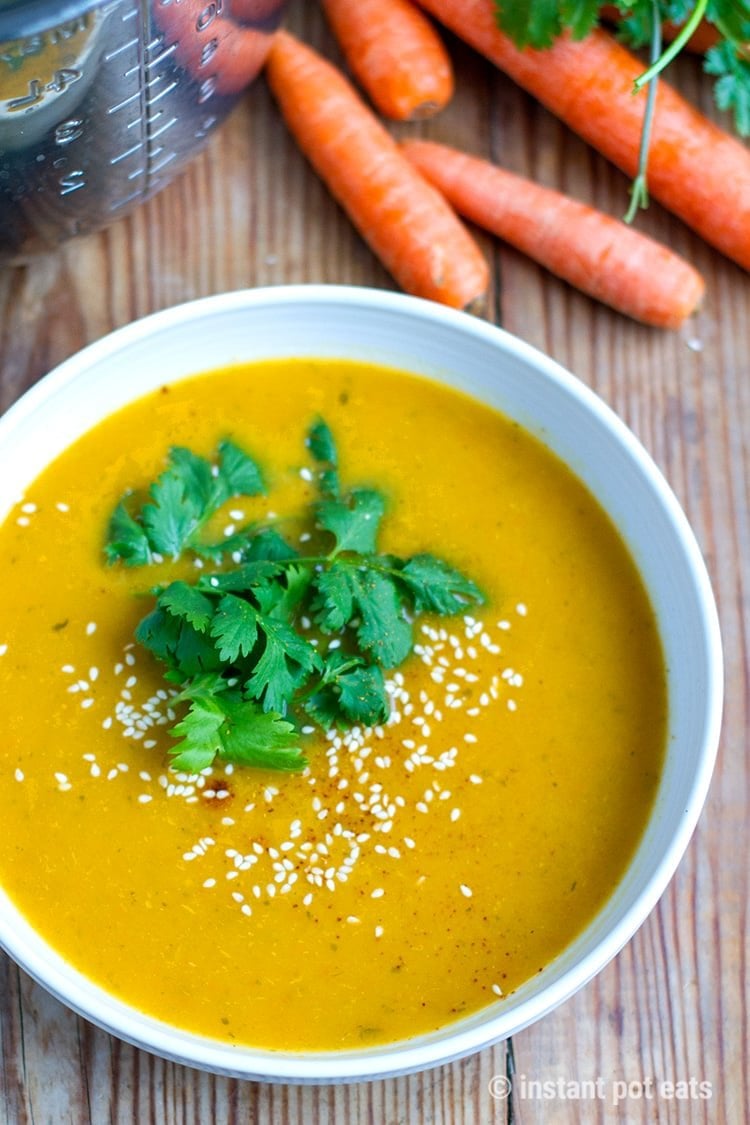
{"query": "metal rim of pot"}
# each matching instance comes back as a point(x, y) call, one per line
point(20, 19)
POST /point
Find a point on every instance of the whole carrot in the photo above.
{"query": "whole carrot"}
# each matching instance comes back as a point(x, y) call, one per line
point(598, 254)
point(695, 169)
point(396, 55)
point(406, 222)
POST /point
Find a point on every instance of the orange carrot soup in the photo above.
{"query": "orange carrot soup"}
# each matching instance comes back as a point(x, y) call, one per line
point(370, 751)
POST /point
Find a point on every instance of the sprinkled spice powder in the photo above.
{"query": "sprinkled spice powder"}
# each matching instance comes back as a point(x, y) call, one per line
point(416, 869)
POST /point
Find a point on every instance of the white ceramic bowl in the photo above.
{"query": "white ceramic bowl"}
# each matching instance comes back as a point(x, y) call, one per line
point(493, 366)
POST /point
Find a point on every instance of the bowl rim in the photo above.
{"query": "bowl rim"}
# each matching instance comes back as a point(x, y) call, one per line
point(457, 1041)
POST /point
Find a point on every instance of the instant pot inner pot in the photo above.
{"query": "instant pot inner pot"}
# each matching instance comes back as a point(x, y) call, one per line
point(102, 103)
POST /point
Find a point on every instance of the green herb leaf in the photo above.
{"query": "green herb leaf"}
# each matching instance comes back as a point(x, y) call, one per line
point(321, 444)
point(334, 605)
point(242, 579)
point(235, 730)
point(435, 587)
point(183, 600)
point(182, 500)
point(283, 666)
point(235, 627)
point(362, 695)
point(384, 631)
point(126, 540)
point(238, 474)
point(537, 23)
point(731, 68)
point(185, 650)
point(350, 691)
point(240, 643)
point(353, 520)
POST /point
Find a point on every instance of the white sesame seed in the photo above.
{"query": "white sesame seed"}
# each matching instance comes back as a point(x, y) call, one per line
point(455, 814)
point(62, 507)
point(475, 779)
point(144, 798)
point(497, 990)
point(465, 891)
point(378, 931)
point(19, 774)
point(209, 883)
point(90, 628)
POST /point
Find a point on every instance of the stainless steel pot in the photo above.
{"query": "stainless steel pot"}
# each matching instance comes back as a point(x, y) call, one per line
point(103, 101)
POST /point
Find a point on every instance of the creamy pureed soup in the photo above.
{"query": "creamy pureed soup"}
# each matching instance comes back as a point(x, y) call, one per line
point(412, 873)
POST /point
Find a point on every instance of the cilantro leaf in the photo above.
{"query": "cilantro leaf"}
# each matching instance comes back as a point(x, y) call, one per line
point(436, 587)
point(353, 520)
point(185, 650)
point(321, 444)
point(283, 665)
point(731, 68)
point(537, 23)
point(362, 695)
point(280, 599)
point(172, 515)
point(183, 600)
point(243, 578)
point(350, 691)
point(384, 631)
point(268, 545)
point(334, 605)
point(238, 474)
point(235, 627)
point(182, 499)
point(349, 590)
point(235, 730)
point(126, 540)
point(236, 543)
point(237, 641)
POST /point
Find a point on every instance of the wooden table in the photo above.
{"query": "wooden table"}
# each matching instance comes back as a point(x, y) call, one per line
point(673, 1005)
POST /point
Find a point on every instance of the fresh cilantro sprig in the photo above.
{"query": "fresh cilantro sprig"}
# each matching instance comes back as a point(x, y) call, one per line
point(181, 501)
point(271, 640)
point(538, 23)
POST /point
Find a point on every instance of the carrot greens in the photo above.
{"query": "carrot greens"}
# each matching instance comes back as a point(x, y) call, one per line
point(270, 639)
point(538, 23)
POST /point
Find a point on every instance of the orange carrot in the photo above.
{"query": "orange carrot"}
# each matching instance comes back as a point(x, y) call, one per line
point(695, 169)
point(406, 222)
point(598, 254)
point(395, 53)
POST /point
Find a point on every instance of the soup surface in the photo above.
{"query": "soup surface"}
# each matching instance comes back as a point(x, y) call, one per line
point(412, 873)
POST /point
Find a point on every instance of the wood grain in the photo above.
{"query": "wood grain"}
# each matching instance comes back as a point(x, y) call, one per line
point(673, 1005)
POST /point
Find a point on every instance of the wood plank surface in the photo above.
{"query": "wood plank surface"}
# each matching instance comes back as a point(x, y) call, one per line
point(673, 1006)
